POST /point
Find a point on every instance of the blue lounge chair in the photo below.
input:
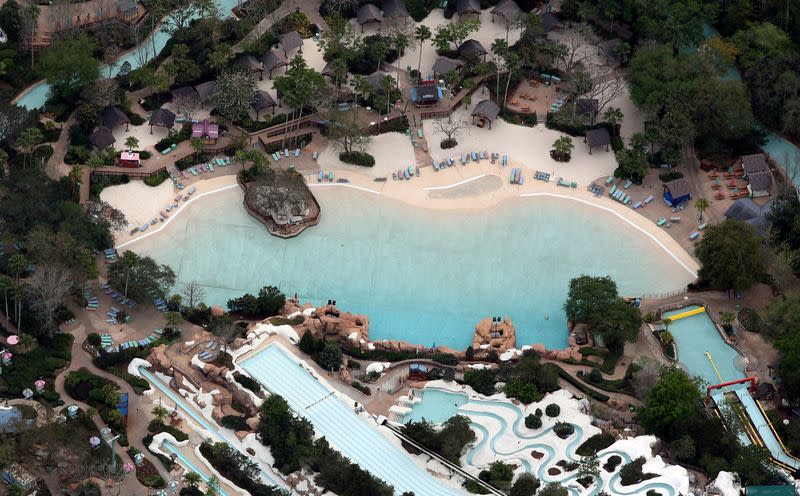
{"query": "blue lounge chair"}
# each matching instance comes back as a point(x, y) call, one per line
point(315, 156)
point(694, 235)
point(296, 152)
point(474, 156)
point(435, 166)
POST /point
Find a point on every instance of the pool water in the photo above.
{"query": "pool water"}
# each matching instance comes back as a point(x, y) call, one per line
point(697, 335)
point(437, 405)
point(11, 418)
point(420, 275)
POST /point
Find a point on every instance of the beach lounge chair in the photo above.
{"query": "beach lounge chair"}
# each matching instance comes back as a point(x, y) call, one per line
point(330, 176)
point(675, 219)
point(648, 199)
point(210, 167)
point(505, 160)
point(702, 226)
point(462, 159)
point(661, 221)
point(296, 152)
point(694, 235)
point(474, 156)
point(627, 184)
point(450, 161)
point(286, 152)
point(612, 190)
point(609, 180)
point(315, 156)
point(435, 166)
point(193, 171)
point(637, 205)
point(419, 132)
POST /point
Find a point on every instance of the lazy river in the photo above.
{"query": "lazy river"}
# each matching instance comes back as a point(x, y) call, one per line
point(420, 275)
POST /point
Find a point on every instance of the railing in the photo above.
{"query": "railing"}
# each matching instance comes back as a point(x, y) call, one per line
point(661, 296)
point(132, 173)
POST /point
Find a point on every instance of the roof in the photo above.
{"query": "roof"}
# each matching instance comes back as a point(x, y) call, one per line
point(598, 137)
point(369, 13)
point(747, 210)
point(290, 40)
point(508, 9)
point(376, 79)
point(468, 7)
point(784, 490)
point(205, 129)
point(394, 8)
point(206, 90)
point(425, 92)
point(273, 59)
point(754, 163)
point(760, 181)
point(472, 47)
point(676, 187)
point(162, 117)
point(250, 62)
point(131, 156)
point(102, 138)
point(262, 100)
point(113, 117)
point(586, 106)
point(550, 22)
point(126, 5)
point(184, 93)
point(20, 475)
point(443, 65)
point(486, 109)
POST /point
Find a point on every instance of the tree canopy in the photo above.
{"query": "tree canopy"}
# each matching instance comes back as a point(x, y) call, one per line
point(730, 256)
point(140, 277)
point(268, 302)
point(69, 65)
point(674, 397)
point(594, 301)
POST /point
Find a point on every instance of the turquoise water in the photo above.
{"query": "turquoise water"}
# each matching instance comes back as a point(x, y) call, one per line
point(420, 275)
point(437, 405)
point(37, 95)
point(697, 335)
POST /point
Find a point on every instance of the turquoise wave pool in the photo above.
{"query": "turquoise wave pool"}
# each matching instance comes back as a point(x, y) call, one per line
point(420, 275)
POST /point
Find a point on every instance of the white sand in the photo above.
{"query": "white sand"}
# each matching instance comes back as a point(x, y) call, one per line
point(139, 202)
point(142, 133)
point(392, 151)
point(526, 147)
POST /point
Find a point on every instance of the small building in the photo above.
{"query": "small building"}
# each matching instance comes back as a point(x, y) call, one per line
point(206, 131)
point(759, 184)
point(784, 490)
point(596, 138)
point(753, 163)
point(747, 210)
point(205, 91)
point(129, 159)
point(376, 79)
point(113, 117)
point(394, 9)
point(485, 112)
point(473, 48)
point(184, 93)
point(290, 41)
point(163, 118)
point(508, 10)
point(252, 64)
point(262, 101)
point(550, 22)
point(102, 138)
point(676, 192)
point(443, 65)
point(468, 7)
point(127, 9)
point(426, 94)
point(369, 13)
point(272, 60)
point(15, 475)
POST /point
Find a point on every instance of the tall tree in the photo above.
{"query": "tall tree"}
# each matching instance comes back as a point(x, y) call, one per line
point(29, 140)
point(674, 398)
point(140, 277)
point(68, 65)
point(676, 23)
point(194, 293)
point(49, 286)
point(422, 34)
point(234, 93)
point(730, 256)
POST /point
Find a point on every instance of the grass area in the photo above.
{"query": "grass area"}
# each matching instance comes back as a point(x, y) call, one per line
point(156, 427)
point(610, 357)
point(138, 384)
point(277, 321)
point(157, 178)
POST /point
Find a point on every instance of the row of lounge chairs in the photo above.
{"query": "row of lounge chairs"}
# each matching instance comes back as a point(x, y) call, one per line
point(406, 173)
point(325, 177)
point(111, 254)
point(542, 176)
point(276, 156)
point(117, 296)
point(141, 343)
point(619, 195)
point(596, 190)
point(567, 184)
point(113, 316)
point(160, 304)
point(210, 352)
point(92, 303)
point(516, 176)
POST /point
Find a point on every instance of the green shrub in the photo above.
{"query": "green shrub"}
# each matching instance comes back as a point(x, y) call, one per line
point(612, 463)
point(361, 387)
point(153, 481)
point(533, 422)
point(522, 390)
point(552, 410)
point(482, 381)
point(632, 473)
point(445, 358)
point(617, 144)
point(670, 176)
point(362, 159)
point(248, 382)
point(94, 339)
point(155, 427)
point(749, 319)
point(596, 443)
point(563, 429)
point(157, 178)
point(235, 422)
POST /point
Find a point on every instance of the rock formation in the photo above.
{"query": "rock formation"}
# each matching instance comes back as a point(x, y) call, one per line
point(499, 336)
point(330, 323)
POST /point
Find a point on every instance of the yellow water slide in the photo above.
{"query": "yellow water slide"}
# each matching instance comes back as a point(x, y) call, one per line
point(687, 313)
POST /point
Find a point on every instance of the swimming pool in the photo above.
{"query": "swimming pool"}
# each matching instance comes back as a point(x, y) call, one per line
point(331, 417)
point(697, 335)
point(424, 276)
point(436, 405)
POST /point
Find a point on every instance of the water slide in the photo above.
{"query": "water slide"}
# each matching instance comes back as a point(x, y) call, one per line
point(202, 422)
point(688, 313)
point(764, 429)
point(191, 467)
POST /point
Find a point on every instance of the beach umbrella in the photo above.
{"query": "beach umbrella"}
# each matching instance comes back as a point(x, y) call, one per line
point(127, 468)
point(7, 355)
point(13, 339)
point(94, 441)
point(39, 384)
point(27, 394)
point(217, 311)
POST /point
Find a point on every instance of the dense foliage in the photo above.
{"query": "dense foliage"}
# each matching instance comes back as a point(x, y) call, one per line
point(730, 256)
point(594, 301)
point(140, 277)
point(448, 441)
point(237, 467)
point(268, 302)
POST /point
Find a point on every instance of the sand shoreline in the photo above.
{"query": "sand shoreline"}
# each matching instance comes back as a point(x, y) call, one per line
point(418, 193)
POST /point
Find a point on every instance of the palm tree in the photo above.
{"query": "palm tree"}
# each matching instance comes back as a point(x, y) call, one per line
point(563, 146)
point(29, 139)
point(666, 323)
point(192, 479)
point(160, 413)
point(614, 117)
point(131, 143)
point(422, 34)
point(95, 161)
point(499, 48)
point(6, 288)
point(212, 486)
point(701, 204)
